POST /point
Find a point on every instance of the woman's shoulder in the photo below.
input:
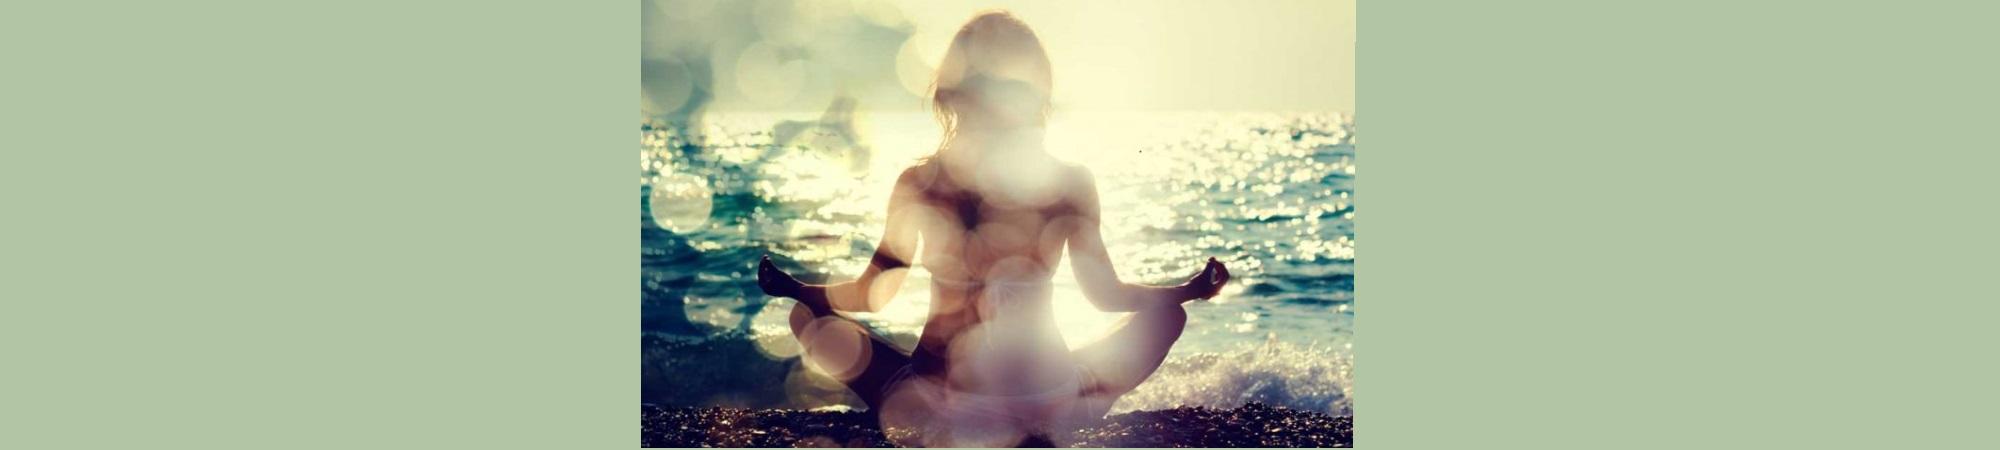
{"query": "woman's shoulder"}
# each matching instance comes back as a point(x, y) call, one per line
point(1070, 176)
point(1077, 184)
point(918, 175)
point(1075, 175)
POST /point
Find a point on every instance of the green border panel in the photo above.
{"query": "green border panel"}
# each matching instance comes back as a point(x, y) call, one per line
point(236, 224)
point(1676, 224)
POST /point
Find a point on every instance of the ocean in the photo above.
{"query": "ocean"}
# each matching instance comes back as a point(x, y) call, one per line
point(1269, 194)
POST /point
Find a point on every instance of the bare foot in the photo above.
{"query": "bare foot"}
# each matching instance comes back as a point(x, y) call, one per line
point(776, 283)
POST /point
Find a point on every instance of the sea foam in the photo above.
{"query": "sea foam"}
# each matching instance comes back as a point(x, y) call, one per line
point(1313, 377)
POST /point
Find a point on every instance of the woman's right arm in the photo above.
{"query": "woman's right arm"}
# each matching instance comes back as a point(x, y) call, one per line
point(877, 283)
point(1099, 278)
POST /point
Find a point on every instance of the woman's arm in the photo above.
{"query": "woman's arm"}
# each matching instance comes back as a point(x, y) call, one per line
point(877, 284)
point(1099, 278)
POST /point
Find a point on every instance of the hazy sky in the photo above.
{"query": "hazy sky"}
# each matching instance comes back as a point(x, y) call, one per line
point(797, 55)
point(1179, 54)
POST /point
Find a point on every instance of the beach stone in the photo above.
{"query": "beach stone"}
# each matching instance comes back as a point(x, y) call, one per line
point(1250, 425)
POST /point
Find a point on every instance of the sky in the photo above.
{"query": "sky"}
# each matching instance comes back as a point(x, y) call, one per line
point(790, 55)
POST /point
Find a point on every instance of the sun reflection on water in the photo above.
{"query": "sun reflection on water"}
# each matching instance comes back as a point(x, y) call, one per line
point(1269, 194)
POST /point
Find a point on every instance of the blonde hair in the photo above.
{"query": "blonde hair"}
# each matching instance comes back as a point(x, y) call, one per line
point(993, 46)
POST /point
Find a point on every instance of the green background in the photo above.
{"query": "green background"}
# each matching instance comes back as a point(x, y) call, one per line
point(386, 224)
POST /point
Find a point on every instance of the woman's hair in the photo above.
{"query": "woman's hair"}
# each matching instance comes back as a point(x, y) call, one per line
point(995, 66)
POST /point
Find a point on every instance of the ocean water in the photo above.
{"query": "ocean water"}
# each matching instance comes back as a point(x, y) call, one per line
point(1271, 195)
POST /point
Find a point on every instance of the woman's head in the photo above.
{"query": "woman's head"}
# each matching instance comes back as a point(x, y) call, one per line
point(994, 76)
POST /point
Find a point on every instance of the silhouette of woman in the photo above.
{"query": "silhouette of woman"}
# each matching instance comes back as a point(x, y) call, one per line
point(994, 213)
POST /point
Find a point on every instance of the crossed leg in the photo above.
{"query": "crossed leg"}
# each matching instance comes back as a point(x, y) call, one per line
point(843, 348)
point(1131, 352)
point(866, 362)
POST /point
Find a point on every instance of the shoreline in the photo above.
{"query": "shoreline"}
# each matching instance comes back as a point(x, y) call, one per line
point(1250, 425)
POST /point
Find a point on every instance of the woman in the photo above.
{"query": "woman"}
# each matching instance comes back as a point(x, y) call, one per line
point(993, 212)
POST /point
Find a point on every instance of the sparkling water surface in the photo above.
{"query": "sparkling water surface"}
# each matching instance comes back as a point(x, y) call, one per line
point(1271, 195)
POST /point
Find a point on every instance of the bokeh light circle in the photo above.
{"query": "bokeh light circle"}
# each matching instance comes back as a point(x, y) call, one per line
point(773, 331)
point(681, 203)
point(836, 347)
point(664, 85)
point(914, 68)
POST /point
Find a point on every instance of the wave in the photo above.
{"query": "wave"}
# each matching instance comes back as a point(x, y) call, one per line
point(1313, 378)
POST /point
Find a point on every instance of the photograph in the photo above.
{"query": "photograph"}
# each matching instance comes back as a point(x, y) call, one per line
point(902, 223)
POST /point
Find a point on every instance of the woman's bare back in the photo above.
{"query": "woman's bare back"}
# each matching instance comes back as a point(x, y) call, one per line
point(991, 259)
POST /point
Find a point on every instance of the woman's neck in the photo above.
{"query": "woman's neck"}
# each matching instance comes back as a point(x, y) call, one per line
point(985, 140)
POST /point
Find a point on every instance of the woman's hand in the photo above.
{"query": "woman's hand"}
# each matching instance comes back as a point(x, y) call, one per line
point(1209, 282)
point(775, 281)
